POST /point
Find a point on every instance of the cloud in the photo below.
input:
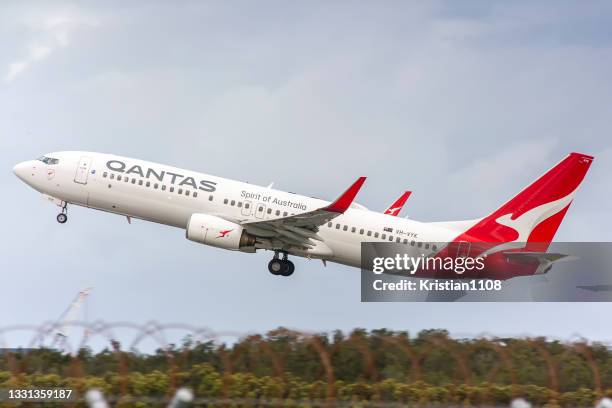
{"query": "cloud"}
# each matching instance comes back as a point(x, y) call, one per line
point(506, 172)
point(15, 69)
point(51, 33)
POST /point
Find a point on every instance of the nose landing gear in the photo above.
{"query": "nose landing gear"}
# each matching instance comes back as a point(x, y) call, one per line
point(282, 267)
point(63, 216)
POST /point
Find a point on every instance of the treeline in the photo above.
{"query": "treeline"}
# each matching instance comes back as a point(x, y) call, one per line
point(374, 366)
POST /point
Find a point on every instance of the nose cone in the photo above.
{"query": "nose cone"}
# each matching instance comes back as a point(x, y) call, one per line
point(22, 170)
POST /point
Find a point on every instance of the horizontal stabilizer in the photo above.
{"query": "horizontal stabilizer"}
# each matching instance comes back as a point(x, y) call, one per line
point(544, 259)
point(596, 288)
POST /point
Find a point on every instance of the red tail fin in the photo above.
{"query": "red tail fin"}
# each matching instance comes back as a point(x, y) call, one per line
point(534, 215)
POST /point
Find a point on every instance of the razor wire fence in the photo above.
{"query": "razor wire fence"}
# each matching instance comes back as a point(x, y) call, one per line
point(145, 365)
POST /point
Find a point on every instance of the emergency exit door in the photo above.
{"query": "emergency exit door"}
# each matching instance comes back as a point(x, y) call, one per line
point(260, 210)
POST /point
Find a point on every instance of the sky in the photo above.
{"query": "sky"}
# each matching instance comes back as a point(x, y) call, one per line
point(463, 103)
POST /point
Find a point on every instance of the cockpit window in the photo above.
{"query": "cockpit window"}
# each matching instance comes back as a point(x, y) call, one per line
point(48, 160)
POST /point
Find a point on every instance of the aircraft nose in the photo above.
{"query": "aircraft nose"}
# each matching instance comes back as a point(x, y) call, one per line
point(22, 169)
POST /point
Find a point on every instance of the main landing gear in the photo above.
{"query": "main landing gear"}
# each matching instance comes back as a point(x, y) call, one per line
point(282, 267)
point(63, 216)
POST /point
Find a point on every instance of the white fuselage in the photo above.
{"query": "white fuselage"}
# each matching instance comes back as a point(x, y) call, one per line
point(165, 195)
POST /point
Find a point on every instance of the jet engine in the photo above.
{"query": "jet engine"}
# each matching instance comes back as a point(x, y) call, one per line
point(214, 231)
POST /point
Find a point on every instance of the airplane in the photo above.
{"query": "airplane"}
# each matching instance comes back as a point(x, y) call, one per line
point(395, 208)
point(238, 216)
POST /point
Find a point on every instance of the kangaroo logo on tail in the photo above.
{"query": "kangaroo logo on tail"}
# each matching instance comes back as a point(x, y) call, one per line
point(534, 214)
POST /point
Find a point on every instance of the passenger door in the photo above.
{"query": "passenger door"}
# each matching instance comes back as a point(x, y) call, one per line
point(82, 171)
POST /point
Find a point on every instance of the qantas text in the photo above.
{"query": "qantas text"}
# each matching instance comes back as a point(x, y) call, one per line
point(162, 176)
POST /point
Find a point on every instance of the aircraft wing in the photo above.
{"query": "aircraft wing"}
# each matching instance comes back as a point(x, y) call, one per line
point(301, 229)
point(396, 207)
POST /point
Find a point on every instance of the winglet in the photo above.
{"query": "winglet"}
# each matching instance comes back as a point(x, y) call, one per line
point(346, 199)
point(396, 207)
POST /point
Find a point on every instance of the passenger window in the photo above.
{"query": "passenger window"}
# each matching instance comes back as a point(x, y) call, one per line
point(225, 201)
point(353, 230)
point(406, 242)
point(361, 231)
point(345, 228)
point(140, 182)
point(337, 226)
point(172, 189)
point(434, 247)
point(384, 236)
point(239, 204)
point(105, 174)
point(195, 194)
point(187, 192)
point(329, 224)
point(180, 191)
point(390, 237)
point(369, 233)
point(233, 203)
point(269, 211)
point(210, 197)
point(419, 244)
point(112, 176)
point(163, 187)
point(119, 177)
point(285, 214)
point(277, 212)
point(156, 186)
point(127, 179)
point(246, 205)
point(148, 184)
point(133, 181)
point(398, 240)
point(427, 246)
point(412, 243)
point(376, 235)
point(260, 209)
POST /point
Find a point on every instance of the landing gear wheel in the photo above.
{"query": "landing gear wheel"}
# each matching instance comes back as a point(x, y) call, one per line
point(62, 218)
point(288, 268)
point(276, 266)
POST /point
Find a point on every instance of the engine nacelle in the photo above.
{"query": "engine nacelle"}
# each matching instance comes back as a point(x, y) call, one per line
point(214, 231)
